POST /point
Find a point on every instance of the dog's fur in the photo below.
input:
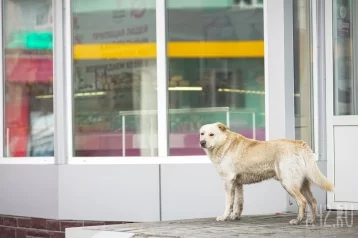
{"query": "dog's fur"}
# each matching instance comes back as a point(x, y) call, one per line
point(240, 160)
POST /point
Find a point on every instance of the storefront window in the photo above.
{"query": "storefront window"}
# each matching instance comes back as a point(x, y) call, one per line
point(216, 70)
point(28, 75)
point(303, 97)
point(114, 78)
point(345, 57)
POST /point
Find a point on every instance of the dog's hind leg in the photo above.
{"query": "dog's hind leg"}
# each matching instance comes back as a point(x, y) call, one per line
point(294, 191)
point(291, 171)
point(239, 202)
point(307, 193)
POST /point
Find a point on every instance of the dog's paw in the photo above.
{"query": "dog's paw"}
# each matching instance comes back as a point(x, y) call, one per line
point(310, 222)
point(295, 222)
point(234, 216)
point(222, 218)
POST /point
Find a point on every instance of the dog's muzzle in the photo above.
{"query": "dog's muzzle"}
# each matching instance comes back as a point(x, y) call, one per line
point(203, 144)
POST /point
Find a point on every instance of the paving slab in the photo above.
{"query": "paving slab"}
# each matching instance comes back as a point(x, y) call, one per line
point(328, 224)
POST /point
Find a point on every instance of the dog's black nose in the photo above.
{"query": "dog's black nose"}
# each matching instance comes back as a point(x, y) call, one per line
point(202, 143)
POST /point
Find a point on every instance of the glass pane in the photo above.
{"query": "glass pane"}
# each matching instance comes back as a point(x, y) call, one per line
point(345, 85)
point(303, 96)
point(28, 40)
point(216, 70)
point(114, 78)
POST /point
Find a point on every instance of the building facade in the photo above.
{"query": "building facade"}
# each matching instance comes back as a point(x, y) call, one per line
point(103, 99)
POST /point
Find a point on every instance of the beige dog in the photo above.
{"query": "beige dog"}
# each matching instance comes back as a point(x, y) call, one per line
point(240, 160)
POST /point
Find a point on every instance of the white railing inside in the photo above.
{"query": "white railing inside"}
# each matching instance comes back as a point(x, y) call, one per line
point(152, 113)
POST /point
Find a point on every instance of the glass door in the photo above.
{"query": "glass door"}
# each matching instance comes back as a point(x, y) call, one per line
point(342, 101)
point(343, 35)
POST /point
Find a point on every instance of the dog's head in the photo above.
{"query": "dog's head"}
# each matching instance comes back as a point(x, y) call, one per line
point(213, 135)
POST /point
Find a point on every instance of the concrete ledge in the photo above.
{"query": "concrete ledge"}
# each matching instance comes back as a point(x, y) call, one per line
point(85, 233)
point(328, 224)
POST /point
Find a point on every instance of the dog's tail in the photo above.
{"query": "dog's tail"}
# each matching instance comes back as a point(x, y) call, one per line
point(316, 176)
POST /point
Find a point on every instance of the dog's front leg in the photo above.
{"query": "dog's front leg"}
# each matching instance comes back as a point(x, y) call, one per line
point(239, 202)
point(230, 196)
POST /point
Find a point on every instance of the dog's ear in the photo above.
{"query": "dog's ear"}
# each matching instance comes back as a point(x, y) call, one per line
point(222, 126)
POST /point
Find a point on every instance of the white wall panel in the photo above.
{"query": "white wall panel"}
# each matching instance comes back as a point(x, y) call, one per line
point(109, 192)
point(29, 190)
point(196, 191)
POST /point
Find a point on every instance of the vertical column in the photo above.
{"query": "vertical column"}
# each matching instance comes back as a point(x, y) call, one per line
point(2, 83)
point(59, 89)
point(279, 74)
point(279, 71)
point(67, 68)
point(162, 77)
point(147, 123)
point(319, 82)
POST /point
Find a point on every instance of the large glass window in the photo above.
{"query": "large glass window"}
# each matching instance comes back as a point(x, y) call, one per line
point(216, 69)
point(114, 78)
point(28, 75)
point(345, 45)
point(303, 97)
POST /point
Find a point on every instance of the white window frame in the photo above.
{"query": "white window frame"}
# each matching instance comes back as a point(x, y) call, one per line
point(26, 160)
point(318, 78)
point(319, 92)
point(162, 101)
point(63, 98)
point(318, 74)
point(2, 144)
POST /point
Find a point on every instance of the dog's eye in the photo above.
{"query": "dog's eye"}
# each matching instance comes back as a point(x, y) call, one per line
point(202, 134)
point(211, 134)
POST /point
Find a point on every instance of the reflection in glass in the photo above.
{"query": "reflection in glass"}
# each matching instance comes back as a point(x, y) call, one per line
point(303, 97)
point(28, 122)
point(216, 70)
point(345, 84)
point(114, 79)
